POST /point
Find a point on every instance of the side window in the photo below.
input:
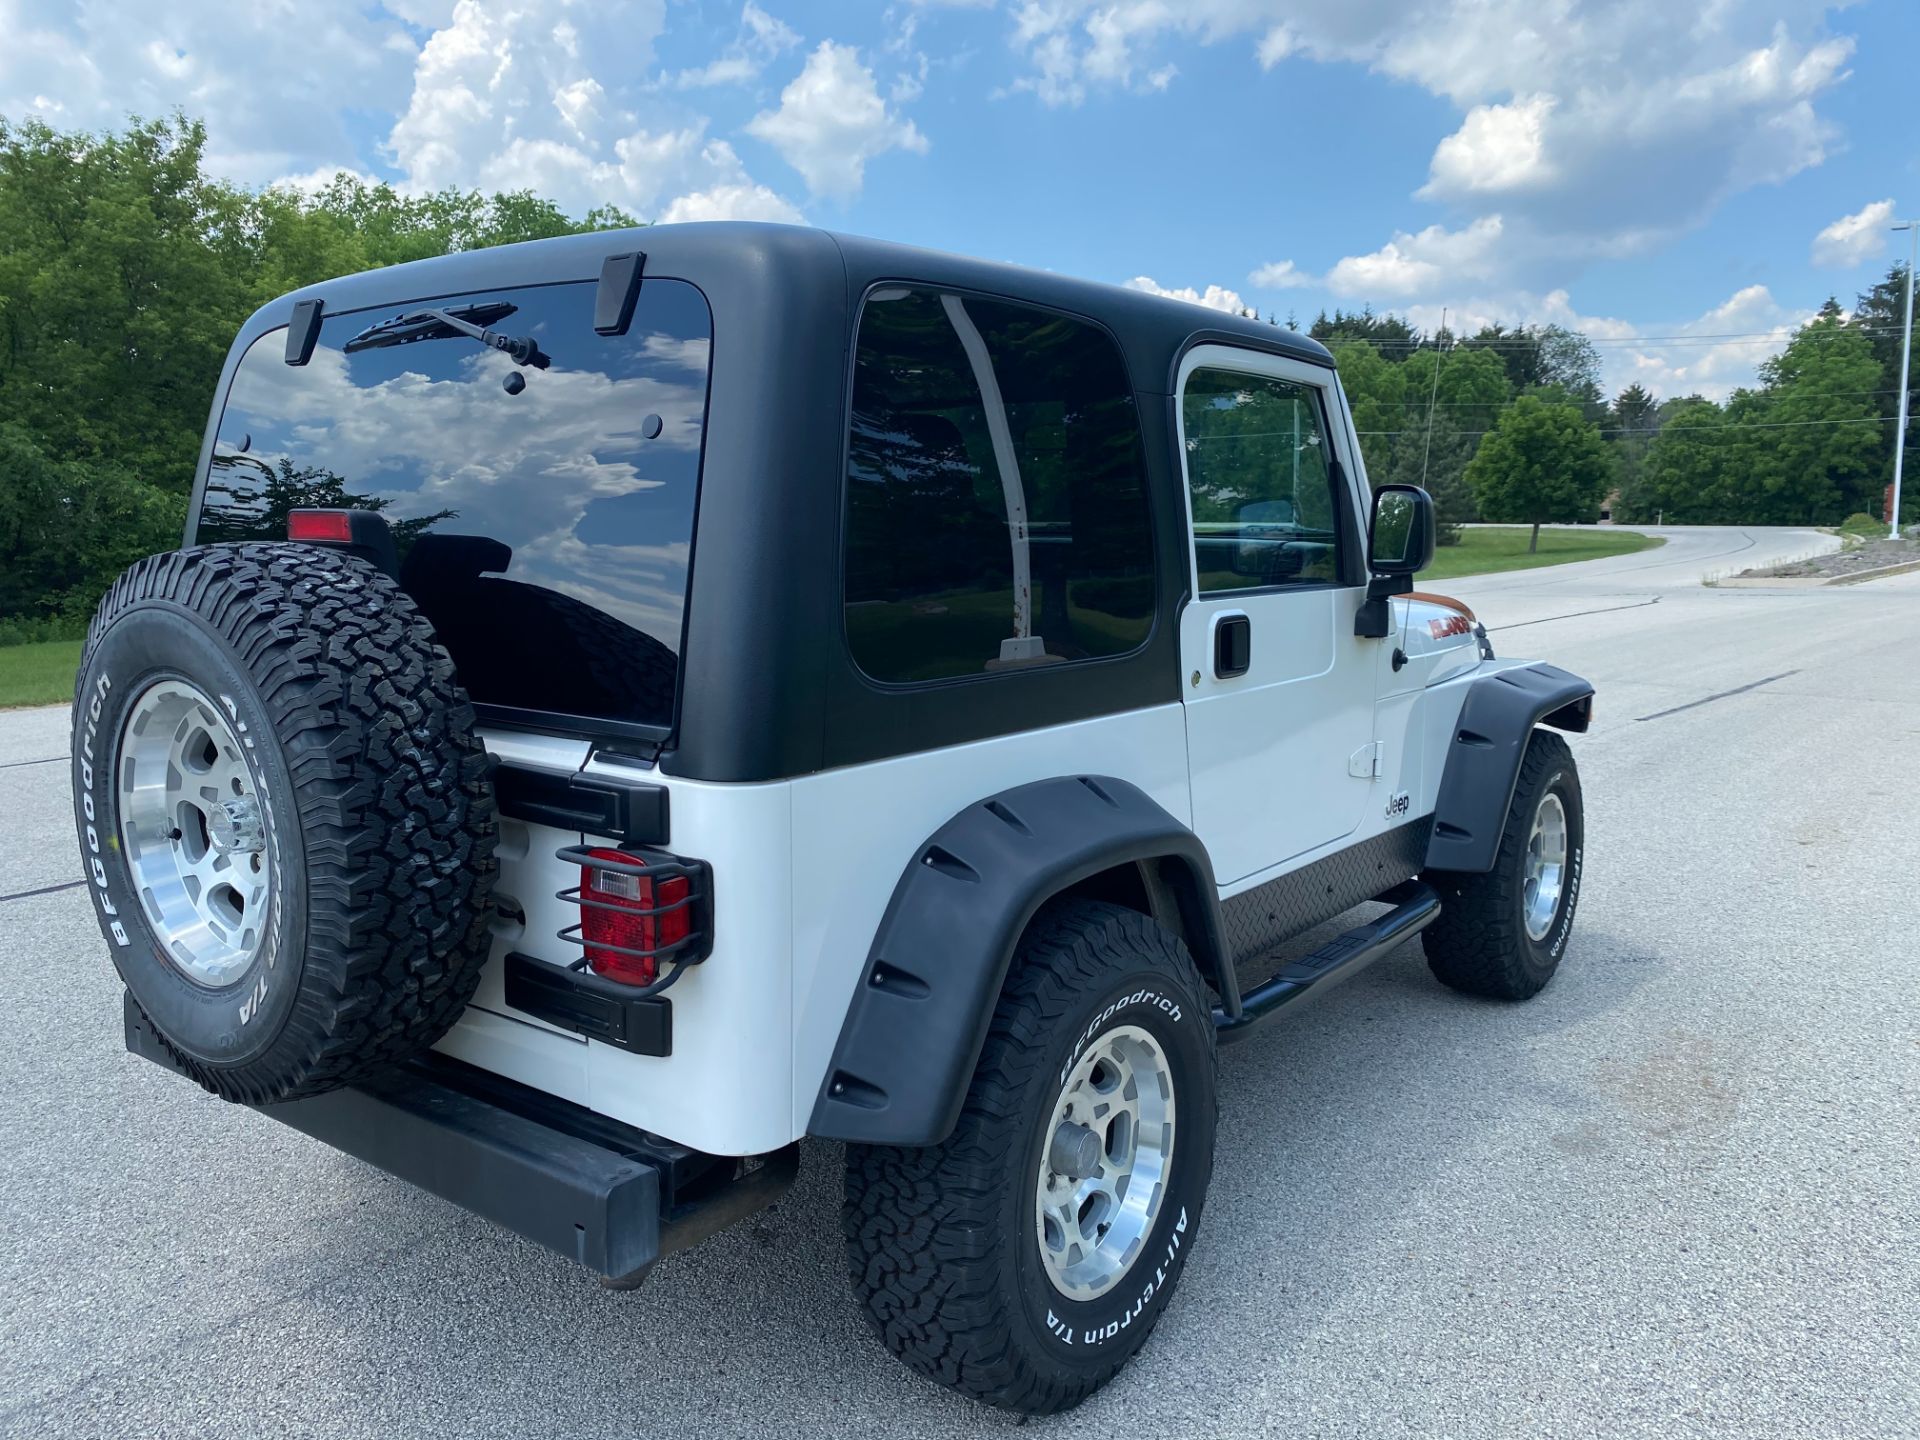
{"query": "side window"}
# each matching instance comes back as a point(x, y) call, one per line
point(1266, 496)
point(997, 510)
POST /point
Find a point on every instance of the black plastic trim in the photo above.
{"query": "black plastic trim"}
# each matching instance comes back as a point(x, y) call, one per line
point(1232, 644)
point(1416, 906)
point(915, 1027)
point(1260, 920)
point(632, 812)
point(631, 733)
point(586, 1004)
point(303, 330)
point(1483, 762)
point(618, 292)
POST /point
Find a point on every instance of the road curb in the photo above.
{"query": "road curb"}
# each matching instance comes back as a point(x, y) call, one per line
point(1877, 573)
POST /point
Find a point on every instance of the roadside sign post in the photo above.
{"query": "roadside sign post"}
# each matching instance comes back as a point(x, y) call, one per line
point(1912, 227)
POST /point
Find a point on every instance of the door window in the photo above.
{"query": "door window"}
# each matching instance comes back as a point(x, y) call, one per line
point(1265, 490)
point(997, 512)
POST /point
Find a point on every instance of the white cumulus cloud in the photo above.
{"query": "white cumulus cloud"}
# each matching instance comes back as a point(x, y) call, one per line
point(762, 39)
point(1280, 275)
point(1496, 148)
point(508, 98)
point(1411, 266)
point(1214, 297)
point(1855, 238)
point(732, 202)
point(831, 121)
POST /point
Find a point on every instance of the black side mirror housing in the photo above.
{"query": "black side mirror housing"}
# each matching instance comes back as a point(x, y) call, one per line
point(1400, 541)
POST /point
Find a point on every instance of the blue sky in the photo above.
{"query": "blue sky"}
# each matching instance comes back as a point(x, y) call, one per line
point(1637, 169)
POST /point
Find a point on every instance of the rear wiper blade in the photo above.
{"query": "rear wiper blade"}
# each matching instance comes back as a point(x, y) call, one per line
point(472, 321)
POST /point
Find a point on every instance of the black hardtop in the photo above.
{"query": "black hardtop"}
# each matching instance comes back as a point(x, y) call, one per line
point(731, 257)
point(775, 692)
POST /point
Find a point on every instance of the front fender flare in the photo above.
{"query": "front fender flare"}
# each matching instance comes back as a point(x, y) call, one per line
point(917, 1023)
point(1483, 762)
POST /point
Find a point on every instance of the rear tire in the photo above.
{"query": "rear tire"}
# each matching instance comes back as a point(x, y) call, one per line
point(285, 817)
point(964, 1254)
point(1497, 935)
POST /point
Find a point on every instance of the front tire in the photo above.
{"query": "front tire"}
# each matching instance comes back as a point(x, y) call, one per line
point(1027, 1258)
point(1503, 934)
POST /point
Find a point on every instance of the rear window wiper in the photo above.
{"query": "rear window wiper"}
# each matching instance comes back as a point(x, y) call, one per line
point(472, 321)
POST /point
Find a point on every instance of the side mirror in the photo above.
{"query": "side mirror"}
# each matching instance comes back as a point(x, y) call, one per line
point(1399, 545)
point(1400, 539)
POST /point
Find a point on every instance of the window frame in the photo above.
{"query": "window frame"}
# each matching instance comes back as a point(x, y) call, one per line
point(1149, 518)
point(1322, 380)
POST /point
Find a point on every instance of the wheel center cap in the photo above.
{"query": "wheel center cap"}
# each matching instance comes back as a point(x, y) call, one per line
point(234, 828)
point(1075, 1152)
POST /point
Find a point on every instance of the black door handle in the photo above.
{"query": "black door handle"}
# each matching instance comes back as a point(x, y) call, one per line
point(1232, 646)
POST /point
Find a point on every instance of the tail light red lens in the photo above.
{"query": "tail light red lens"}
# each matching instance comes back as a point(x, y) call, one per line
point(335, 526)
point(621, 911)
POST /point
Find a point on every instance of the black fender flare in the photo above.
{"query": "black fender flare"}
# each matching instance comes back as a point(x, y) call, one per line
point(1483, 762)
point(919, 1017)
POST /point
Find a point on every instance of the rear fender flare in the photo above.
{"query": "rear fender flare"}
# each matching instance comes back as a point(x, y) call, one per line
point(918, 1020)
point(1483, 761)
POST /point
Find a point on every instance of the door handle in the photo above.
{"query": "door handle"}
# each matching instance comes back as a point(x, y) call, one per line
point(1232, 645)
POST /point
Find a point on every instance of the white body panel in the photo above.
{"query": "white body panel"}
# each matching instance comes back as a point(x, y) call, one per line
point(1268, 751)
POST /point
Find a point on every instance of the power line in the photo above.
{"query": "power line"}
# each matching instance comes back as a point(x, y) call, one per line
point(1665, 429)
point(1504, 404)
point(1512, 341)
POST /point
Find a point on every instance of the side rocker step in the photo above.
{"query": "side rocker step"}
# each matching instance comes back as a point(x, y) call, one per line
point(1415, 904)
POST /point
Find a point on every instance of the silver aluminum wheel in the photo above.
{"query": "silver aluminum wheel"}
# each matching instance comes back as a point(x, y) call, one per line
point(194, 830)
point(1103, 1177)
point(1546, 866)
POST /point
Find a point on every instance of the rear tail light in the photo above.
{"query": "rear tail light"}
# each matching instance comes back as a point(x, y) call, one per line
point(637, 910)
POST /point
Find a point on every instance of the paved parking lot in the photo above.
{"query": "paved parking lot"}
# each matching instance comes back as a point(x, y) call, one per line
point(1676, 1195)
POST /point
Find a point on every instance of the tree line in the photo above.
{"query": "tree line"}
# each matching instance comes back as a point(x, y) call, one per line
point(1511, 424)
point(126, 269)
point(125, 272)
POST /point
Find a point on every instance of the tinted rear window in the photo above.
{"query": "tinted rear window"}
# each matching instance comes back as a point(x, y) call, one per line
point(546, 534)
point(997, 509)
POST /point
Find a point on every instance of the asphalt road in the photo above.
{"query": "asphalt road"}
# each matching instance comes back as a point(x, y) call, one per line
point(1676, 1195)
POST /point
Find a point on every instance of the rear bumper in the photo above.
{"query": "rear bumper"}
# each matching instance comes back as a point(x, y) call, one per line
point(605, 1194)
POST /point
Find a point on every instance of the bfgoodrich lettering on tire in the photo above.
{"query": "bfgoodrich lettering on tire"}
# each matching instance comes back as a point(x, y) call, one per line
point(1027, 1258)
point(1503, 934)
point(286, 821)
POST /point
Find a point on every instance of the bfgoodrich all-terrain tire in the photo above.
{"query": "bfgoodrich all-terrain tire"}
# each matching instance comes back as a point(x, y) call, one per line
point(286, 821)
point(1503, 934)
point(1027, 1258)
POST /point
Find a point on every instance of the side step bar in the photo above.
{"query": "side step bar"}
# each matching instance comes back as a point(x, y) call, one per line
point(1415, 907)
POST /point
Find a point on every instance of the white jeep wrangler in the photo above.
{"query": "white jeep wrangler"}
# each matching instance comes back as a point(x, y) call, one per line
point(617, 714)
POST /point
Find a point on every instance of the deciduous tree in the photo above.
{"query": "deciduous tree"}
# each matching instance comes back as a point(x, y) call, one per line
point(1542, 463)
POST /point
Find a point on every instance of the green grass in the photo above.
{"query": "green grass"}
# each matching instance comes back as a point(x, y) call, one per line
point(38, 674)
point(1485, 549)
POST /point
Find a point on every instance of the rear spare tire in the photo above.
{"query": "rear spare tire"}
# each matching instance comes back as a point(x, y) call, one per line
point(286, 822)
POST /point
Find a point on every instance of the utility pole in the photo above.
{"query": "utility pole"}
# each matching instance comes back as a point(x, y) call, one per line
point(1439, 359)
point(1912, 227)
